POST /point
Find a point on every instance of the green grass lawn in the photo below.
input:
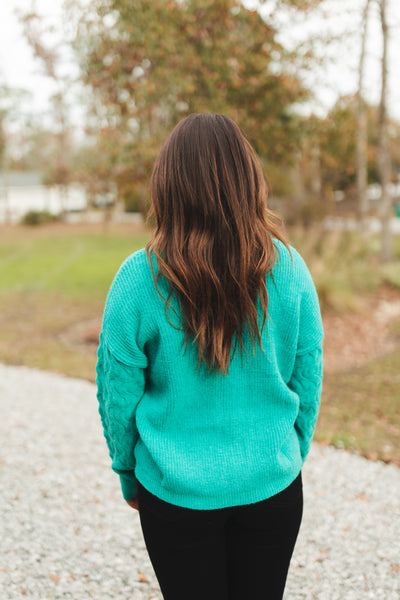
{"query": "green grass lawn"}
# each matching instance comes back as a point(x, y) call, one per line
point(79, 265)
point(53, 277)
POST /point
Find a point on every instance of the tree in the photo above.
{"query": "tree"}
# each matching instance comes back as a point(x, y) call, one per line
point(361, 113)
point(2, 137)
point(152, 63)
point(11, 110)
point(50, 57)
point(328, 158)
point(384, 165)
point(35, 147)
point(3, 165)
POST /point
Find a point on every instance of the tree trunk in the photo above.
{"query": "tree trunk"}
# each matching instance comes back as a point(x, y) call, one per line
point(361, 166)
point(4, 192)
point(384, 163)
point(316, 180)
point(297, 173)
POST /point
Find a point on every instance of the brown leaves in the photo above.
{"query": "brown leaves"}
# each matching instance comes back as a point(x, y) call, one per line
point(191, 58)
point(324, 554)
point(363, 497)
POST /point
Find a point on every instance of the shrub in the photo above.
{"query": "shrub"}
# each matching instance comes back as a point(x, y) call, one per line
point(37, 217)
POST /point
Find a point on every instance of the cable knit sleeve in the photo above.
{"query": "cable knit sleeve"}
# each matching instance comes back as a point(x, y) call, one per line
point(306, 382)
point(120, 388)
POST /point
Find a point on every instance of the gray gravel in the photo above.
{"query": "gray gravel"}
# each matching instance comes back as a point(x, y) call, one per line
point(65, 531)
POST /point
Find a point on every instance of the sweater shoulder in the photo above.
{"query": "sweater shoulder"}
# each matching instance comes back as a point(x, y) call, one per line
point(126, 321)
point(291, 267)
point(136, 263)
point(133, 275)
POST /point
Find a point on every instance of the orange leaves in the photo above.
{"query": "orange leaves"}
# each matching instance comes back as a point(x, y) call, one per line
point(208, 56)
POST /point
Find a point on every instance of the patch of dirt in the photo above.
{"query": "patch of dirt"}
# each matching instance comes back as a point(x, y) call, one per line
point(82, 337)
point(351, 339)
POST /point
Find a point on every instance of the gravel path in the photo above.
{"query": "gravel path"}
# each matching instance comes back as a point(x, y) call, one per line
point(65, 531)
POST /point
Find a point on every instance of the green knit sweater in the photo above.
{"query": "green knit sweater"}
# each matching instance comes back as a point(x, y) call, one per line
point(201, 440)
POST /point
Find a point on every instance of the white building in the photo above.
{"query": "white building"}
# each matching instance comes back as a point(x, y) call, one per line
point(23, 191)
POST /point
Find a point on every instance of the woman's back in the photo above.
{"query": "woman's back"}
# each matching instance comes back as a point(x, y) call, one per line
point(207, 440)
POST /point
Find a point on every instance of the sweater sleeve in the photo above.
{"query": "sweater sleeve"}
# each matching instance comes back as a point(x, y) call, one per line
point(311, 330)
point(120, 388)
point(306, 382)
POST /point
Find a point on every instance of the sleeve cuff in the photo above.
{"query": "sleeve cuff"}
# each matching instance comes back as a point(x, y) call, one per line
point(128, 486)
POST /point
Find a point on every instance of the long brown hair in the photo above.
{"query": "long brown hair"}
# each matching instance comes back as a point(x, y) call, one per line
point(213, 239)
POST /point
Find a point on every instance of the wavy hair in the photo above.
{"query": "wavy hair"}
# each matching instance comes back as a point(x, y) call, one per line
point(213, 239)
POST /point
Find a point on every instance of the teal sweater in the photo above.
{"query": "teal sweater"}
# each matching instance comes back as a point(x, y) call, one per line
point(201, 440)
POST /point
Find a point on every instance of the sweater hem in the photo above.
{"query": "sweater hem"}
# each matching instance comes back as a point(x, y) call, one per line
point(212, 502)
point(128, 486)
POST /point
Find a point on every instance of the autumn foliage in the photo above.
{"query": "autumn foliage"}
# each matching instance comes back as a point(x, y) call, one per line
point(152, 63)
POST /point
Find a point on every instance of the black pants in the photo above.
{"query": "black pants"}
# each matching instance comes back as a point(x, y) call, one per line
point(235, 553)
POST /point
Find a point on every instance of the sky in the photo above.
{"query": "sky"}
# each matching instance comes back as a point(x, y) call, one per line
point(19, 69)
point(338, 74)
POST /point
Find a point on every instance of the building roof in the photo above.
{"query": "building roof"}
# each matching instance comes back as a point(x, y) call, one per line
point(20, 178)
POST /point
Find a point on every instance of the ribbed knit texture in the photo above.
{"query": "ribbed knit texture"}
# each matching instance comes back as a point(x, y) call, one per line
point(202, 440)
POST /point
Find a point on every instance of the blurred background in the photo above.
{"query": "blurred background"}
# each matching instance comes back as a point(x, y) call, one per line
point(88, 91)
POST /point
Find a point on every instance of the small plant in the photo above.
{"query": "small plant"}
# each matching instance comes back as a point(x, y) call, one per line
point(391, 274)
point(37, 217)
